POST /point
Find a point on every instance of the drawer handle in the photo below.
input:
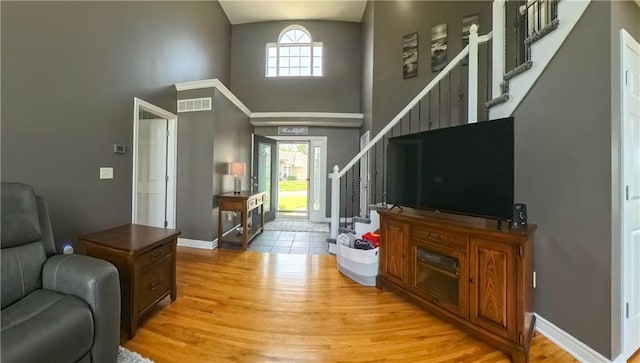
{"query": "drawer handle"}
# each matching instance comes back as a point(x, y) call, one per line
point(157, 254)
point(156, 285)
point(435, 236)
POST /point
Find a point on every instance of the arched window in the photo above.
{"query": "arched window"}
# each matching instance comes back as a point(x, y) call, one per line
point(295, 54)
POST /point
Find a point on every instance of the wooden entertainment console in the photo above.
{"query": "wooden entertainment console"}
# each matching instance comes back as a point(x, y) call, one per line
point(463, 269)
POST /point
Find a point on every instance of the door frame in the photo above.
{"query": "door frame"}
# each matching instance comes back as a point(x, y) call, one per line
point(172, 158)
point(323, 172)
point(626, 40)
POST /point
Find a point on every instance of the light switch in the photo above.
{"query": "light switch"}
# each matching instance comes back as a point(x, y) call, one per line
point(106, 173)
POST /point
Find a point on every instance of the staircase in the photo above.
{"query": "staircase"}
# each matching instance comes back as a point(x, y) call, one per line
point(517, 50)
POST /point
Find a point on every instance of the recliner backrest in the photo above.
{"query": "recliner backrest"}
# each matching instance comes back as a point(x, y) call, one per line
point(26, 241)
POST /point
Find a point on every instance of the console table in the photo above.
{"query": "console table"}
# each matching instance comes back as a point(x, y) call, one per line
point(146, 261)
point(242, 202)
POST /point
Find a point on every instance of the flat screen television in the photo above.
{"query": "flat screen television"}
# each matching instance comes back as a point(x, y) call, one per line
point(467, 169)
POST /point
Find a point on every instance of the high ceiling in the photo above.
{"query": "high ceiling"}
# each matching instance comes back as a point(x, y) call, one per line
point(241, 11)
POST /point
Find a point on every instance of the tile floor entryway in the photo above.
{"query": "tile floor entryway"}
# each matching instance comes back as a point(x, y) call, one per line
point(295, 243)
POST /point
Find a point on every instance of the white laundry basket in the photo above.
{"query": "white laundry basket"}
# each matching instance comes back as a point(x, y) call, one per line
point(359, 265)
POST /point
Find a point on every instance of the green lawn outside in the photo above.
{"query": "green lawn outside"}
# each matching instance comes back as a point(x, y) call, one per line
point(292, 185)
point(292, 203)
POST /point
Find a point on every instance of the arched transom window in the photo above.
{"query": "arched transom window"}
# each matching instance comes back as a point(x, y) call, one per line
point(295, 54)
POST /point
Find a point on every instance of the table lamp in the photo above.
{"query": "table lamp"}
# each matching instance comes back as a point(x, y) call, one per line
point(237, 169)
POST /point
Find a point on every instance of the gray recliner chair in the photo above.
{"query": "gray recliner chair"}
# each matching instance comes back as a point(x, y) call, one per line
point(63, 308)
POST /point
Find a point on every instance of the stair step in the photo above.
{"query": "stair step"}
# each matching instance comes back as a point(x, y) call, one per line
point(362, 220)
point(518, 70)
point(377, 207)
point(496, 101)
point(540, 34)
point(346, 230)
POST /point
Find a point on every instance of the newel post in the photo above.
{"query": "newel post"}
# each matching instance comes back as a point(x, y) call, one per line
point(473, 75)
point(335, 202)
point(498, 47)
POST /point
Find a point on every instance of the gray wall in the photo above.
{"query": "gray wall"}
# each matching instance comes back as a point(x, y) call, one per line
point(231, 142)
point(194, 214)
point(366, 102)
point(207, 142)
point(338, 90)
point(342, 145)
point(393, 20)
point(70, 71)
point(391, 93)
point(563, 173)
point(624, 15)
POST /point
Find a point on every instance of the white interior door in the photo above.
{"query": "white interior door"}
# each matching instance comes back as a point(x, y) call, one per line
point(631, 191)
point(152, 172)
point(364, 177)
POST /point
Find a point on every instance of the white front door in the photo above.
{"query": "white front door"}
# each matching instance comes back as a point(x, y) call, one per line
point(631, 191)
point(152, 172)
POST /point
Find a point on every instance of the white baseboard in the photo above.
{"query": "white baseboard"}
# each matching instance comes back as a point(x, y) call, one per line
point(195, 243)
point(571, 345)
point(206, 245)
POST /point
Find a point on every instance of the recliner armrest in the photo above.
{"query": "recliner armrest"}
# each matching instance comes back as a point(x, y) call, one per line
point(97, 283)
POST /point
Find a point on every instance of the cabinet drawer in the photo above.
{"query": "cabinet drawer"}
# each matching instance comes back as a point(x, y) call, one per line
point(252, 203)
point(443, 238)
point(154, 255)
point(154, 283)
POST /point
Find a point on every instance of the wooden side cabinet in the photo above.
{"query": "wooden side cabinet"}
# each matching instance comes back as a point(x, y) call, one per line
point(465, 270)
point(492, 287)
point(393, 262)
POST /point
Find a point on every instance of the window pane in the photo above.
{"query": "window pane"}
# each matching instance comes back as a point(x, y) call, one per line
point(284, 71)
point(284, 61)
point(305, 62)
point(271, 72)
point(304, 38)
point(294, 50)
point(284, 51)
point(317, 61)
point(317, 50)
point(271, 62)
point(271, 51)
point(287, 37)
point(305, 71)
point(294, 62)
point(317, 71)
point(295, 72)
point(305, 51)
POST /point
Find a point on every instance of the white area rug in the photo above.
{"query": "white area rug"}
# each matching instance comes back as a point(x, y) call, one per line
point(127, 356)
point(290, 225)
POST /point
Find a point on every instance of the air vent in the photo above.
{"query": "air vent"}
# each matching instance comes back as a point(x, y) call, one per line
point(194, 104)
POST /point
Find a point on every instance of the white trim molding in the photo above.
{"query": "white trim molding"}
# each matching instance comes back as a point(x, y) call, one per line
point(567, 342)
point(214, 83)
point(320, 119)
point(317, 119)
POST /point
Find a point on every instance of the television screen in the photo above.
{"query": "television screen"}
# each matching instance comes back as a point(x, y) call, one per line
point(465, 169)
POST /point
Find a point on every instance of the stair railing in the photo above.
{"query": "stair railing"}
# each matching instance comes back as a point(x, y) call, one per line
point(471, 50)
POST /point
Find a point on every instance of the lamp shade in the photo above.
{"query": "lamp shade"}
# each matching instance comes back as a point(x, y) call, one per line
point(237, 168)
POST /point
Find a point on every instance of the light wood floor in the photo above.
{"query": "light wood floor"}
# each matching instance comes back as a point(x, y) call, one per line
point(254, 307)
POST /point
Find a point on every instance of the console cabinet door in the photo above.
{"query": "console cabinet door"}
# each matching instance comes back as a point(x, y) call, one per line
point(492, 284)
point(394, 243)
